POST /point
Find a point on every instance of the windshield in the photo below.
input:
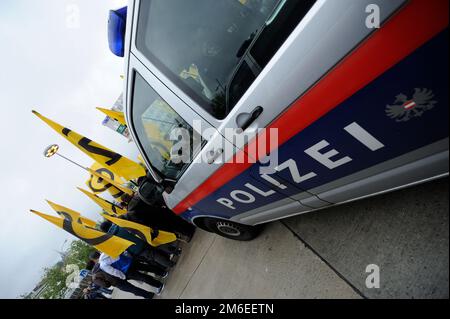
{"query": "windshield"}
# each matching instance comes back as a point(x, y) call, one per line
point(198, 44)
point(160, 131)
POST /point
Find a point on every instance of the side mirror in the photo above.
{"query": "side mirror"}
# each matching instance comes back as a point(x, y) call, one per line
point(169, 186)
point(150, 192)
point(168, 189)
point(116, 31)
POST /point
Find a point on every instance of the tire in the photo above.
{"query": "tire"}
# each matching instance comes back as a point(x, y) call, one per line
point(230, 230)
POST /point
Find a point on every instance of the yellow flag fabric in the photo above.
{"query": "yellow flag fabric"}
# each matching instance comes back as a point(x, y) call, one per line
point(112, 215)
point(75, 216)
point(113, 183)
point(111, 245)
point(98, 184)
point(117, 163)
point(153, 131)
point(118, 116)
point(141, 159)
point(143, 232)
point(107, 206)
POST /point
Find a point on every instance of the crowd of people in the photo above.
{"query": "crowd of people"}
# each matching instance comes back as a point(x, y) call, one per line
point(141, 261)
point(96, 292)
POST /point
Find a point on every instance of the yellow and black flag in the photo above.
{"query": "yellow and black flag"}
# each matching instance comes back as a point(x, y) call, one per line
point(117, 163)
point(117, 115)
point(65, 212)
point(107, 206)
point(102, 179)
point(111, 245)
point(97, 184)
point(113, 183)
point(143, 232)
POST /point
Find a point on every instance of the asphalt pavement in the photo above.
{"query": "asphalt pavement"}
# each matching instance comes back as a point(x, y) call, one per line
point(325, 254)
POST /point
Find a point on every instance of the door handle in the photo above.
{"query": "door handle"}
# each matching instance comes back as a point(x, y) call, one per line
point(253, 116)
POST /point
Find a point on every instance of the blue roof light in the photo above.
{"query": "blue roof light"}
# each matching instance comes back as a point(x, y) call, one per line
point(116, 31)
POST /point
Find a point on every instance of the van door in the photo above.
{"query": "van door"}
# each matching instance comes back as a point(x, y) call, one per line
point(377, 120)
point(155, 114)
point(159, 121)
point(324, 34)
point(232, 60)
point(298, 43)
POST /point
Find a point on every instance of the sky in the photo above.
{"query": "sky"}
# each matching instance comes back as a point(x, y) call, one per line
point(54, 58)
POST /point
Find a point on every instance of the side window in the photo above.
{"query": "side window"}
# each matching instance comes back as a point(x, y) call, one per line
point(260, 48)
point(160, 131)
point(278, 29)
point(241, 81)
point(199, 44)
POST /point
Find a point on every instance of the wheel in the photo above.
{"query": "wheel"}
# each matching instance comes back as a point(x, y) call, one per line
point(229, 229)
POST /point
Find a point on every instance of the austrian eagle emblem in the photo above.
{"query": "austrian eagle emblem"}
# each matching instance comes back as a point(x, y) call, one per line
point(404, 108)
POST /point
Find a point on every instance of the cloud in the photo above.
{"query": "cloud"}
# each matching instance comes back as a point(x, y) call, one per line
point(65, 73)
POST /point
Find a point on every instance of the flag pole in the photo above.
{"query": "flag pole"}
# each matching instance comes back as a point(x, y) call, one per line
point(53, 150)
point(73, 162)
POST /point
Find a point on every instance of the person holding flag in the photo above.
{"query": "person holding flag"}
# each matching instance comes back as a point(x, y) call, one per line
point(103, 279)
point(110, 208)
point(141, 249)
point(125, 267)
point(90, 293)
point(159, 239)
point(98, 181)
point(157, 215)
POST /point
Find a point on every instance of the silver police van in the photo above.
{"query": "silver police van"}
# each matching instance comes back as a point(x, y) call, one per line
point(290, 106)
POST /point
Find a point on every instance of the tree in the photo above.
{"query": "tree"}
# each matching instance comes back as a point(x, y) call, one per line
point(78, 253)
point(55, 277)
point(55, 281)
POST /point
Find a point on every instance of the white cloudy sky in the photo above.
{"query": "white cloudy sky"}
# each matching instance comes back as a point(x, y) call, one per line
point(64, 73)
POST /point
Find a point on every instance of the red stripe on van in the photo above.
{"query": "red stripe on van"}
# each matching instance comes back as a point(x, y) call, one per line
point(417, 23)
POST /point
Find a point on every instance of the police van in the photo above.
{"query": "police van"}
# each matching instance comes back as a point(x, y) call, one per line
point(328, 102)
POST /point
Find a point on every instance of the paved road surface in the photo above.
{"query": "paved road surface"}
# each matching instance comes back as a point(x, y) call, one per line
point(325, 254)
